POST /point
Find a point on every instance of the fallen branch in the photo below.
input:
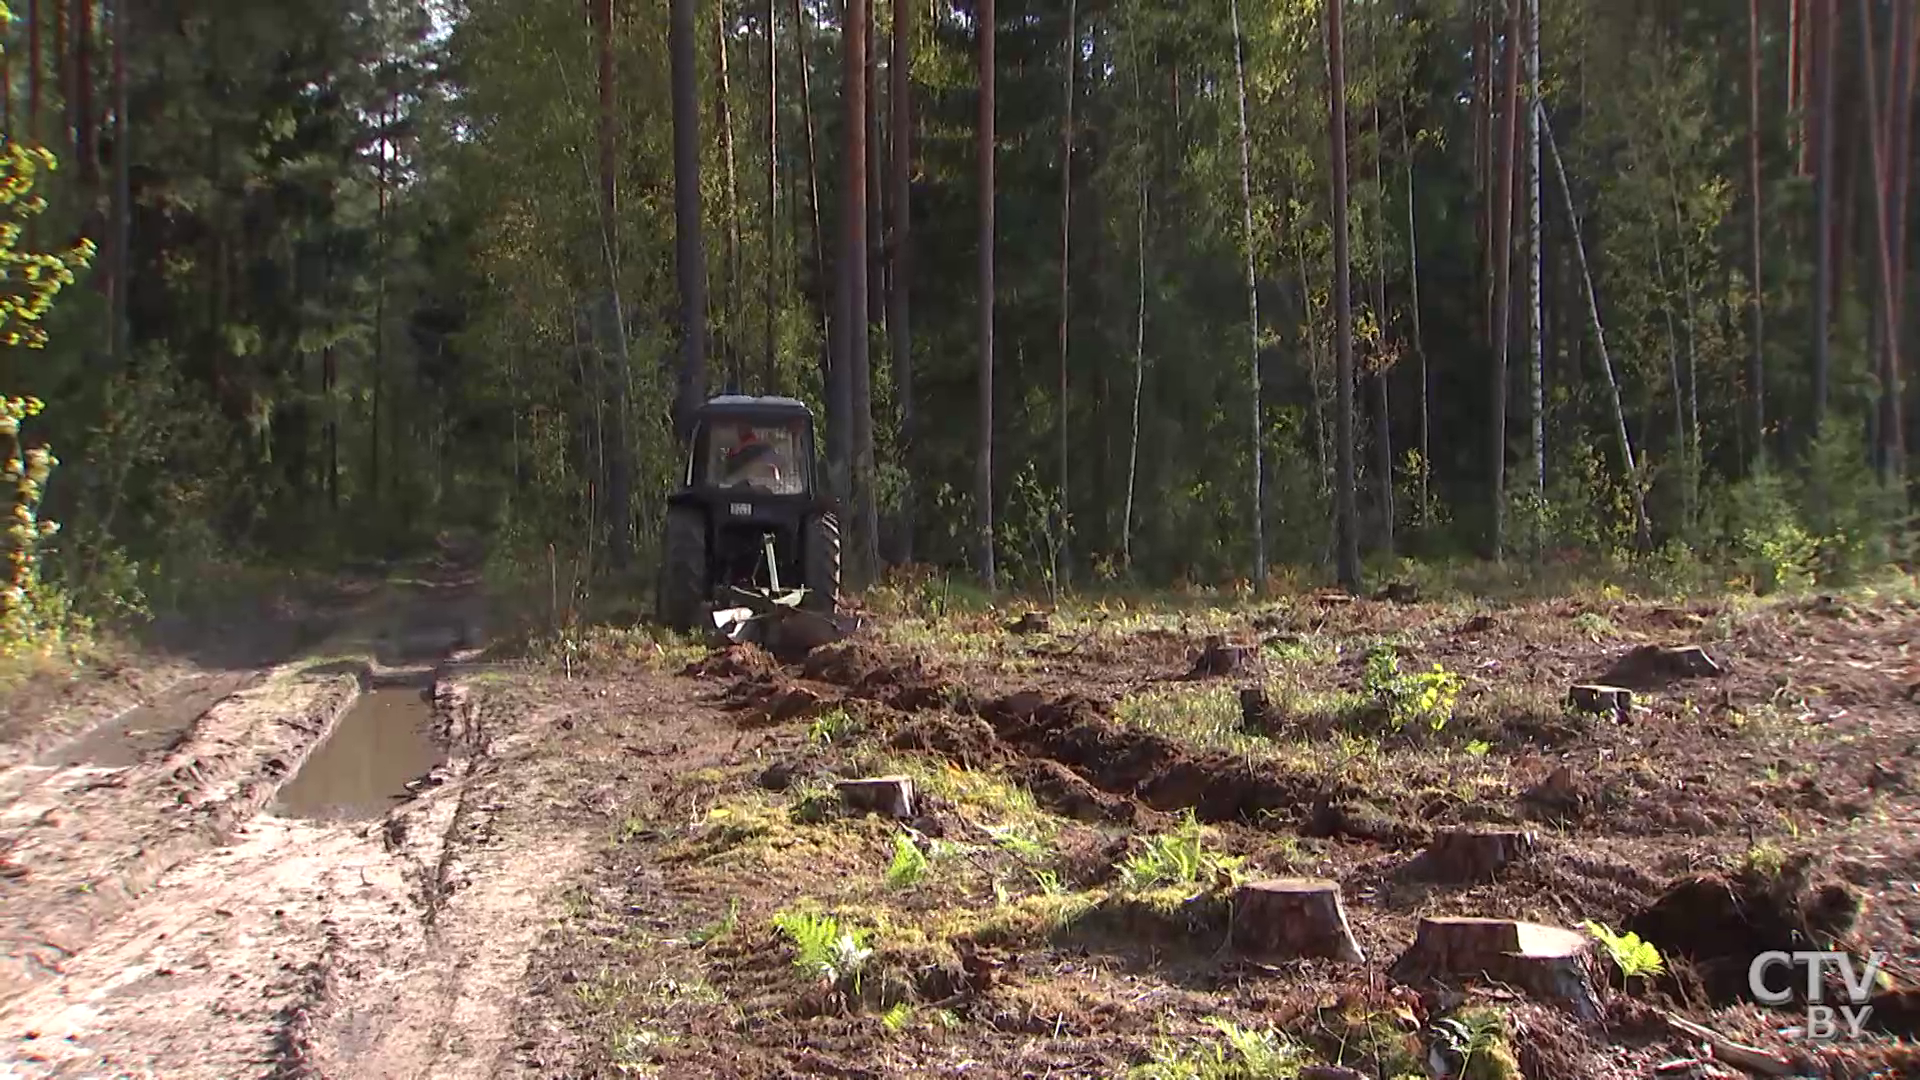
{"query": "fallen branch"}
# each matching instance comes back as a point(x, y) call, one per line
point(1740, 1056)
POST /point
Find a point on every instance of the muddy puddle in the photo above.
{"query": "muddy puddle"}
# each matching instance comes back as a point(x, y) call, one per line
point(362, 769)
point(153, 728)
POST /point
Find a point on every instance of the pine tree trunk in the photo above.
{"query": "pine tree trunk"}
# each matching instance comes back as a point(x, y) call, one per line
point(804, 65)
point(1139, 323)
point(1070, 60)
point(876, 186)
point(85, 138)
point(690, 253)
point(769, 370)
point(854, 386)
point(1536, 362)
point(63, 72)
point(899, 335)
point(1642, 527)
point(1253, 290)
point(983, 474)
point(1823, 169)
point(121, 330)
point(1892, 456)
point(1483, 157)
point(1900, 165)
point(1756, 362)
point(1502, 272)
point(33, 71)
point(733, 286)
point(613, 383)
point(1346, 514)
point(1796, 80)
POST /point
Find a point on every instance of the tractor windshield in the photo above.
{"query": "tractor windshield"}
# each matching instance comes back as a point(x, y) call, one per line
point(762, 457)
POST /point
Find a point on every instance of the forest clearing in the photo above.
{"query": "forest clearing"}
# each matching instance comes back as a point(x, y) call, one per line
point(633, 857)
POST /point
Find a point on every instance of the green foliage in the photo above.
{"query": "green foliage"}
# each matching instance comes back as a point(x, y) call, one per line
point(1425, 697)
point(823, 949)
point(1239, 1053)
point(1179, 858)
point(896, 1019)
point(909, 863)
point(34, 616)
point(1633, 956)
point(832, 727)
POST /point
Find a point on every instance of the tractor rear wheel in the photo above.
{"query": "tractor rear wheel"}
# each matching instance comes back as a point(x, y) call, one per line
point(820, 555)
point(683, 569)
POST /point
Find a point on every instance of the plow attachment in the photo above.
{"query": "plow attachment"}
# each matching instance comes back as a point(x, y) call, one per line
point(774, 620)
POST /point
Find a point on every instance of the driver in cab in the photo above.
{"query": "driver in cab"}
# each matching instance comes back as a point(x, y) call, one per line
point(754, 465)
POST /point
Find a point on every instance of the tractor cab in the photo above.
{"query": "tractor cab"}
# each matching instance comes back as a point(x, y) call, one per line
point(750, 518)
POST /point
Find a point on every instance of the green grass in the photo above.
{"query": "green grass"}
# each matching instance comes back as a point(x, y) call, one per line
point(1237, 1053)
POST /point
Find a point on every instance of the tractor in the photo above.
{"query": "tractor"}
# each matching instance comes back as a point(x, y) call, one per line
point(751, 526)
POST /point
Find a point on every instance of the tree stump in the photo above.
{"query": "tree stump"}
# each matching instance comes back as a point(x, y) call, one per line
point(1546, 961)
point(1463, 855)
point(889, 795)
point(1256, 712)
point(1398, 592)
point(1600, 698)
point(1651, 666)
point(1293, 918)
point(1033, 622)
point(1217, 659)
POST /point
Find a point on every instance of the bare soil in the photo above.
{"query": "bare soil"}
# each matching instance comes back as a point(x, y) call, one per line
point(580, 871)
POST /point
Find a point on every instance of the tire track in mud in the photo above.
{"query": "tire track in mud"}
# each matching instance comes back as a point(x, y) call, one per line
point(157, 920)
point(83, 844)
point(438, 995)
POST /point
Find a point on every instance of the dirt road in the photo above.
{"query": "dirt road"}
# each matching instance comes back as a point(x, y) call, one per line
point(332, 866)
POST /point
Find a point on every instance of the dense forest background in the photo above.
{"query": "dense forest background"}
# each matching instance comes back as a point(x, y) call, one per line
point(1626, 278)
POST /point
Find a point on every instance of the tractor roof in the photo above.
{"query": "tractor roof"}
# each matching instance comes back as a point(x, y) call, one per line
point(737, 404)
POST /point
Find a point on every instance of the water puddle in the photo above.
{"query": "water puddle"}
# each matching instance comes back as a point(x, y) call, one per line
point(153, 728)
point(362, 769)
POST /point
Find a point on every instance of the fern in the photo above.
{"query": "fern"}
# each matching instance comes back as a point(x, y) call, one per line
point(1634, 956)
point(909, 863)
point(822, 948)
point(1178, 858)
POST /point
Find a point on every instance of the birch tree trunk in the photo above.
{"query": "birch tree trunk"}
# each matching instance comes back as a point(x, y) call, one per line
point(1419, 340)
point(1253, 292)
point(1642, 527)
point(613, 384)
point(1382, 412)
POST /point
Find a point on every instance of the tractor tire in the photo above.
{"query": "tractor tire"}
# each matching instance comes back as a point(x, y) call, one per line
point(682, 592)
point(820, 561)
